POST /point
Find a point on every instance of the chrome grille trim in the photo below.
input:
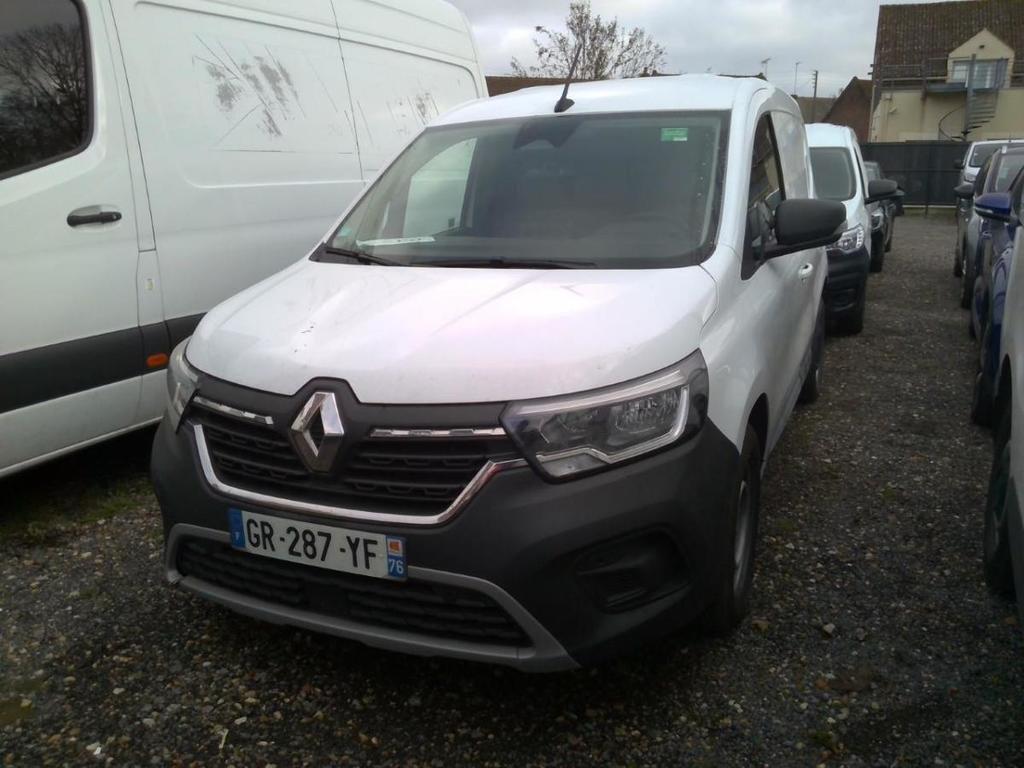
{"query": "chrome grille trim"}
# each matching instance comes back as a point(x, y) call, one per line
point(384, 434)
point(237, 413)
point(486, 473)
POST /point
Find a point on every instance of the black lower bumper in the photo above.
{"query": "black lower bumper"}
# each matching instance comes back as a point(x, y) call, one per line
point(600, 564)
point(847, 280)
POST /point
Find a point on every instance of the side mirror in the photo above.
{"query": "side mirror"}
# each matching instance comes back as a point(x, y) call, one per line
point(958, 165)
point(964, 191)
point(997, 206)
point(803, 224)
point(881, 189)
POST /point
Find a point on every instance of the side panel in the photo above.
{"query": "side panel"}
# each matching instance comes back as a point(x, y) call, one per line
point(247, 136)
point(395, 94)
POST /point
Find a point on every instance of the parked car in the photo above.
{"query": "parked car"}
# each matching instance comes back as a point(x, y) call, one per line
point(1004, 510)
point(976, 155)
point(999, 210)
point(839, 176)
point(996, 173)
point(515, 406)
point(179, 153)
point(883, 217)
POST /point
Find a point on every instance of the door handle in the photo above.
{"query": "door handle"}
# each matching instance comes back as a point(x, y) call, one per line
point(805, 272)
point(76, 219)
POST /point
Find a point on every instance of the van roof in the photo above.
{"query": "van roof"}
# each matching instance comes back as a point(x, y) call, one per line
point(828, 135)
point(647, 94)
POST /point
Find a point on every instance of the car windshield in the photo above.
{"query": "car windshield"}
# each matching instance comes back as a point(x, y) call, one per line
point(1004, 170)
point(604, 191)
point(833, 173)
point(982, 153)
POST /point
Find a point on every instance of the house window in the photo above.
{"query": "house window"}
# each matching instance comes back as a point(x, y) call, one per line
point(987, 72)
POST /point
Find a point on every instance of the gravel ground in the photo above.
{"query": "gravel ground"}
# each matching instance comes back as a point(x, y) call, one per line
point(873, 641)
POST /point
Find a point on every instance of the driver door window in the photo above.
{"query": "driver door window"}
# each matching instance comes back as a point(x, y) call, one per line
point(765, 195)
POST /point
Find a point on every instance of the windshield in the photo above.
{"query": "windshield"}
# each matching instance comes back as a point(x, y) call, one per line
point(605, 191)
point(1004, 170)
point(833, 173)
point(982, 153)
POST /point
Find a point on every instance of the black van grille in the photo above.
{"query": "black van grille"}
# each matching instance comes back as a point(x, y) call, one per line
point(413, 606)
point(407, 475)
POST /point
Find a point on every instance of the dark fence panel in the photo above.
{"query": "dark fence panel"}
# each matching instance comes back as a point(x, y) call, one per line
point(923, 168)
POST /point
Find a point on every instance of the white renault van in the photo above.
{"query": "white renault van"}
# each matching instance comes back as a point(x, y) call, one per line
point(839, 175)
point(158, 156)
point(515, 406)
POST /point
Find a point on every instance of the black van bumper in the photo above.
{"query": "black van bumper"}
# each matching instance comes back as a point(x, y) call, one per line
point(588, 569)
point(847, 282)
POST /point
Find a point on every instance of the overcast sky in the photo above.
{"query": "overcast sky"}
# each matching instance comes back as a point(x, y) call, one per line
point(729, 36)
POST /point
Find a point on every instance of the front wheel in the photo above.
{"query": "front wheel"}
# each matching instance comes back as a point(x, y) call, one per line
point(892, 231)
point(811, 389)
point(851, 323)
point(967, 284)
point(878, 257)
point(732, 600)
point(996, 553)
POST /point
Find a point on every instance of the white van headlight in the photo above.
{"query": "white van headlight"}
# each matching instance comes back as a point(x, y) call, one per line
point(851, 240)
point(181, 384)
point(577, 434)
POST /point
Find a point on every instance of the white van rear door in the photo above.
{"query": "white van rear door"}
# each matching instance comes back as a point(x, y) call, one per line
point(247, 137)
point(71, 352)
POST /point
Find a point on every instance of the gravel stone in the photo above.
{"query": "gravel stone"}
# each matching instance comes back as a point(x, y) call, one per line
point(871, 523)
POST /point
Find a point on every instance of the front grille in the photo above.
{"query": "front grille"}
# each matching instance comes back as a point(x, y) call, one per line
point(407, 475)
point(414, 606)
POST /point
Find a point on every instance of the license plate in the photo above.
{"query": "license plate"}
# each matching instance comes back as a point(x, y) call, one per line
point(337, 549)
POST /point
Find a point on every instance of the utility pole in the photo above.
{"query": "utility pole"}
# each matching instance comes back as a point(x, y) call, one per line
point(764, 67)
point(814, 99)
point(796, 72)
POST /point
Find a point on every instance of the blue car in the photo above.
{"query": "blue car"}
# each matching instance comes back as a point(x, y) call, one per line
point(999, 227)
point(996, 175)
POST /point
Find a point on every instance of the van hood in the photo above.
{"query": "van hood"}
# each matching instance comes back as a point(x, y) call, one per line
point(403, 335)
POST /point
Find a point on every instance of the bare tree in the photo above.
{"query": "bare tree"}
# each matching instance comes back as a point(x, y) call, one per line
point(607, 49)
point(43, 101)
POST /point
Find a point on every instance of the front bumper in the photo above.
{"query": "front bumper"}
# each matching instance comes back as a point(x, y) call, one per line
point(588, 569)
point(847, 279)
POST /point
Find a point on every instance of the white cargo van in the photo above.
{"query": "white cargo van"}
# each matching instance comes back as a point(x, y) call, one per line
point(158, 156)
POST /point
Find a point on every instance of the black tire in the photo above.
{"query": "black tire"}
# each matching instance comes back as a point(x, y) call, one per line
point(996, 548)
point(958, 262)
point(732, 600)
point(984, 392)
point(877, 258)
point(811, 389)
point(967, 285)
point(892, 233)
point(851, 323)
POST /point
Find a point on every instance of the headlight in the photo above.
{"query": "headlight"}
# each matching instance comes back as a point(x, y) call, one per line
point(877, 218)
point(577, 434)
point(181, 384)
point(851, 240)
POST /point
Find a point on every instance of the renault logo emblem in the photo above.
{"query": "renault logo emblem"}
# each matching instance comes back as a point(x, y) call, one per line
point(317, 432)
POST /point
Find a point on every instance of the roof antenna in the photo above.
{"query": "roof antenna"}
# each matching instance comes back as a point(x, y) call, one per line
point(565, 103)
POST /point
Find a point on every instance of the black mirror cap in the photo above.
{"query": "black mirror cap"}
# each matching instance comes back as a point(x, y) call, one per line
point(964, 191)
point(803, 224)
point(881, 189)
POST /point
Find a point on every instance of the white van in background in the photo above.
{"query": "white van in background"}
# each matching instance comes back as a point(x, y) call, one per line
point(181, 151)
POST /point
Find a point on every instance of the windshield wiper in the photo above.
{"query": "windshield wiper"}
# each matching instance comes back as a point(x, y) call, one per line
point(361, 256)
point(498, 263)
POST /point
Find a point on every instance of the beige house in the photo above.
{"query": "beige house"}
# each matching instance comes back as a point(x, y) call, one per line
point(952, 70)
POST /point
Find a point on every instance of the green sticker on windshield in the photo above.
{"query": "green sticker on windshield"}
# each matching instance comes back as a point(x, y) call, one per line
point(674, 134)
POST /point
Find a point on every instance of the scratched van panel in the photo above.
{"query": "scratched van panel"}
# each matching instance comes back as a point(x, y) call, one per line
point(248, 143)
point(432, 25)
point(394, 95)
